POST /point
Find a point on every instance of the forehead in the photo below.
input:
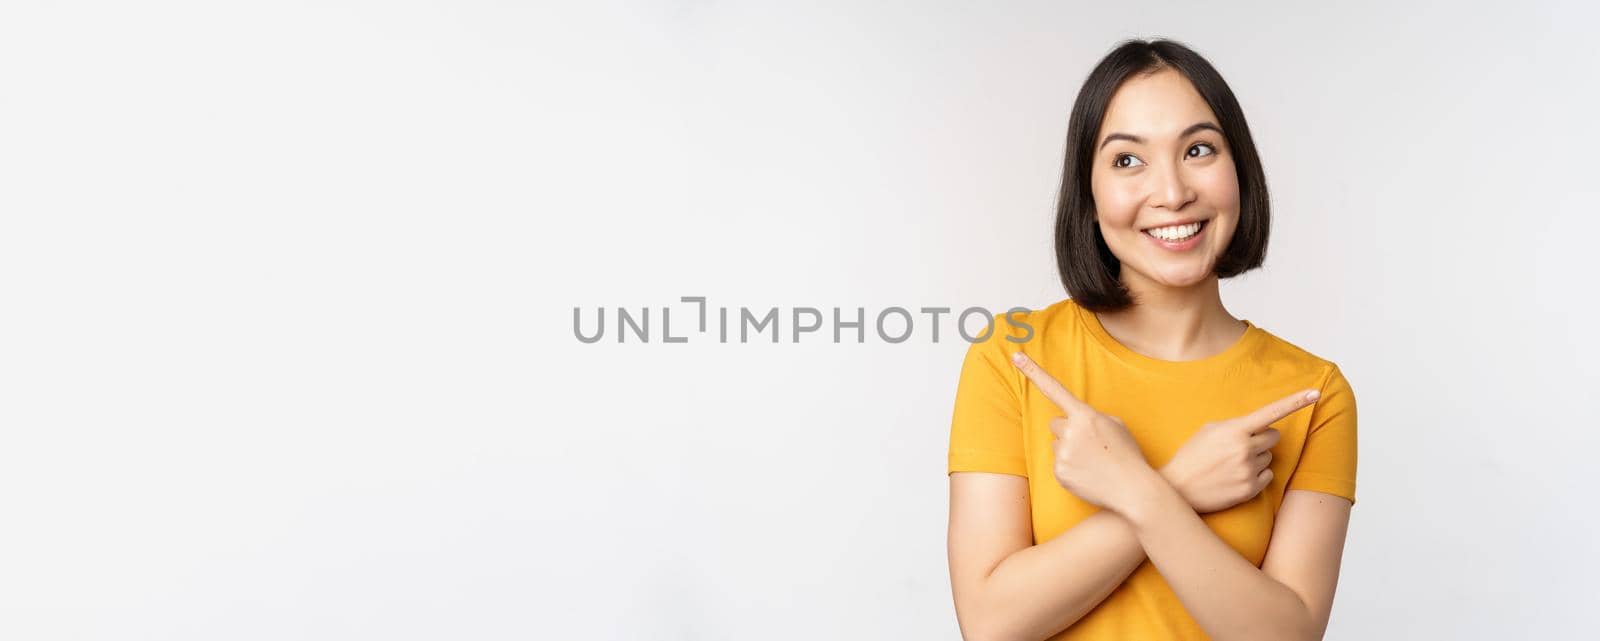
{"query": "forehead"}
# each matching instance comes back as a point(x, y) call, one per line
point(1157, 105)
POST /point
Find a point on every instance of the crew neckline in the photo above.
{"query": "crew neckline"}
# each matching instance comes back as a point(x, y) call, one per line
point(1252, 335)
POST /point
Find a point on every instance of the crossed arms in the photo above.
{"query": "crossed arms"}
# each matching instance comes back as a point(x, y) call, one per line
point(1007, 588)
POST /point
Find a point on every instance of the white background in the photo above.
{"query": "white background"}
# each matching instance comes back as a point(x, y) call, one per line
point(286, 295)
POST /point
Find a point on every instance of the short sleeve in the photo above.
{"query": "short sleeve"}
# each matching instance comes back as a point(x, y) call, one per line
point(1328, 460)
point(986, 430)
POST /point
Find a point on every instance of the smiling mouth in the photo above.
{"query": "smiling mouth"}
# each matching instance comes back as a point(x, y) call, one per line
point(1176, 233)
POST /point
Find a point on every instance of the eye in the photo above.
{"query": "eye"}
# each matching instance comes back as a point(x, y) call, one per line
point(1124, 161)
point(1195, 151)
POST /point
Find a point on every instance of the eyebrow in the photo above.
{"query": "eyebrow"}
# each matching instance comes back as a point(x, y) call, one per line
point(1199, 126)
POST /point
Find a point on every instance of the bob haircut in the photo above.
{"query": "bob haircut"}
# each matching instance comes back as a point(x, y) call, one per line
point(1088, 268)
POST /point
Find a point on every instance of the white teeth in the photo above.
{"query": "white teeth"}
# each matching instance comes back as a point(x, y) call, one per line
point(1175, 232)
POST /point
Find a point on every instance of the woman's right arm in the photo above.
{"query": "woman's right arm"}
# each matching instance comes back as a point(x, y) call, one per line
point(1007, 588)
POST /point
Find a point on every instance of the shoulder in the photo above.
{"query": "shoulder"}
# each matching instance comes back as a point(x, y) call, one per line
point(1058, 315)
point(1018, 325)
point(1282, 355)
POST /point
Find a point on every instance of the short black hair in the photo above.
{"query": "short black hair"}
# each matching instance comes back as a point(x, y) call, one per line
point(1088, 268)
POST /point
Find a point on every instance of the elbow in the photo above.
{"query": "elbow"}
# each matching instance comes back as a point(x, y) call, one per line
point(980, 624)
point(1308, 629)
point(975, 627)
point(1312, 629)
point(984, 615)
point(1296, 635)
point(1300, 628)
point(972, 634)
point(981, 628)
point(986, 633)
point(1304, 630)
point(1300, 634)
point(1303, 624)
point(970, 630)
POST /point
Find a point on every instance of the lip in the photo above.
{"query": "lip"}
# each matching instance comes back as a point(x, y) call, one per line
point(1183, 245)
point(1184, 221)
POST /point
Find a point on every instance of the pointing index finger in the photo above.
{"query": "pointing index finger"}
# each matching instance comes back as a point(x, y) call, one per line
point(1277, 410)
point(1053, 389)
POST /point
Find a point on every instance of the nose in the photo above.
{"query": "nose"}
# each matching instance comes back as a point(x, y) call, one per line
point(1171, 190)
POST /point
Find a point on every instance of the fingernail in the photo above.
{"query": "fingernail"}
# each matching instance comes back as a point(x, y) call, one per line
point(1018, 358)
point(1313, 395)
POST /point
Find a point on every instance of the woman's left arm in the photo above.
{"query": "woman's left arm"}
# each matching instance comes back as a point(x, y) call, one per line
point(1288, 598)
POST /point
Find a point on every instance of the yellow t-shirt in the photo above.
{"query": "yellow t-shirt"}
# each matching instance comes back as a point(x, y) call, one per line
point(1001, 424)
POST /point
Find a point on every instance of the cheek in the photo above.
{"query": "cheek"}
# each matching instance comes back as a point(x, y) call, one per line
point(1116, 203)
point(1219, 188)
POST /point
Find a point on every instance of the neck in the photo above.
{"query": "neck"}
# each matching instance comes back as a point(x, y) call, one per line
point(1173, 323)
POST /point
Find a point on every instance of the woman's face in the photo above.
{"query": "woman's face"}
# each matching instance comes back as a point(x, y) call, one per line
point(1165, 193)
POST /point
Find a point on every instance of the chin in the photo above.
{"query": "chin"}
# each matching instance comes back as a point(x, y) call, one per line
point(1181, 276)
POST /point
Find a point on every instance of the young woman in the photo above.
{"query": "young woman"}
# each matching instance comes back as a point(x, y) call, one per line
point(1135, 462)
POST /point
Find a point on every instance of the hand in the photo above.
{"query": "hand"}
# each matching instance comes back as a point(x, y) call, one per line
point(1096, 458)
point(1227, 462)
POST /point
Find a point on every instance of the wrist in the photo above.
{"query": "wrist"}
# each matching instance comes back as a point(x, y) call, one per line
point(1171, 477)
point(1149, 493)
